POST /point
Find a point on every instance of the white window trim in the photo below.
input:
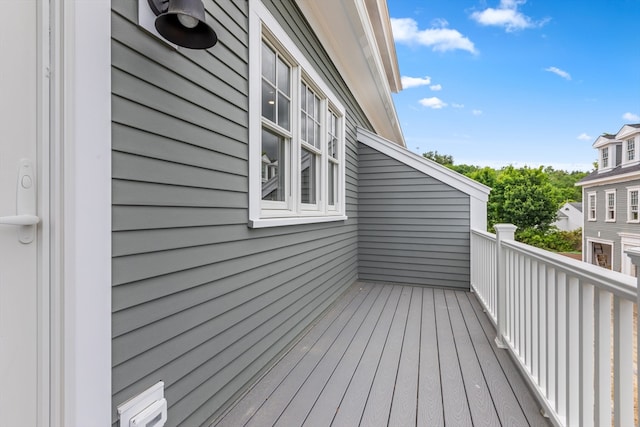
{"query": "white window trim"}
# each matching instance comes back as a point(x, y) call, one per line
point(606, 200)
point(259, 16)
point(595, 206)
point(629, 190)
point(625, 145)
point(606, 149)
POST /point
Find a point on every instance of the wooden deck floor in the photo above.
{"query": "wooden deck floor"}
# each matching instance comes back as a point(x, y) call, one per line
point(388, 355)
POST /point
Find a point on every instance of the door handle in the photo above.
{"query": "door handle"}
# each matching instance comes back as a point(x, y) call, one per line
point(25, 217)
point(19, 220)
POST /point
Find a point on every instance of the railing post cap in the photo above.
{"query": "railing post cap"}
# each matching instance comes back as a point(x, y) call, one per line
point(505, 227)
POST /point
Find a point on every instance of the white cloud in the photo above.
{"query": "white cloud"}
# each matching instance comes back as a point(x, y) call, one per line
point(630, 117)
point(584, 137)
point(408, 82)
point(477, 112)
point(435, 88)
point(434, 103)
point(507, 15)
point(454, 105)
point(405, 30)
point(558, 71)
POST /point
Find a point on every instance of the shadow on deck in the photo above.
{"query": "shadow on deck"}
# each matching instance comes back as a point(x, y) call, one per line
point(390, 355)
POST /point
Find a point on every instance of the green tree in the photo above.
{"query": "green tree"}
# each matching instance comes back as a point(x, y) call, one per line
point(487, 176)
point(565, 183)
point(524, 197)
point(443, 159)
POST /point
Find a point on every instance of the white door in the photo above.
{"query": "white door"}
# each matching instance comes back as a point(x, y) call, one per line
point(18, 259)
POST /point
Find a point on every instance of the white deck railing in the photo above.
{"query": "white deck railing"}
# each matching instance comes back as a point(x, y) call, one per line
point(569, 325)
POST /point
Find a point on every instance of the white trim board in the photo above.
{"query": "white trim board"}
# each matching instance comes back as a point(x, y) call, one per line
point(426, 166)
point(80, 181)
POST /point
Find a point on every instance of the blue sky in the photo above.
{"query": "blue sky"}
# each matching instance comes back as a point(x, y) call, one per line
point(516, 82)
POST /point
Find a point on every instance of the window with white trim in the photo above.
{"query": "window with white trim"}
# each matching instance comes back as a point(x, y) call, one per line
point(296, 147)
point(632, 204)
point(631, 150)
point(591, 207)
point(604, 158)
point(610, 197)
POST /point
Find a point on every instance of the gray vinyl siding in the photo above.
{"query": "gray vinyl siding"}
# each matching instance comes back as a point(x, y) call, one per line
point(413, 228)
point(603, 230)
point(201, 301)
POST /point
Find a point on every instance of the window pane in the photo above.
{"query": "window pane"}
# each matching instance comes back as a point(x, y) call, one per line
point(310, 132)
point(273, 166)
point(307, 177)
point(283, 111)
point(303, 126)
point(318, 137)
point(268, 63)
point(332, 184)
point(284, 72)
point(333, 136)
point(268, 101)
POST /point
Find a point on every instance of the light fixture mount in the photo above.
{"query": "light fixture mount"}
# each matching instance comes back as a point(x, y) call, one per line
point(183, 22)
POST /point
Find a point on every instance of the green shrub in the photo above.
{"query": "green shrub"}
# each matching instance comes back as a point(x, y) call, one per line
point(552, 239)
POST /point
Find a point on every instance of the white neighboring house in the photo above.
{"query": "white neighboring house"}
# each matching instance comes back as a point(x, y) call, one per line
point(570, 217)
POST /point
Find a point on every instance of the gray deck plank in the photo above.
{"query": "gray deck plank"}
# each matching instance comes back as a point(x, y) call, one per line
point(376, 412)
point(430, 407)
point(393, 355)
point(481, 406)
point(403, 406)
point(355, 398)
point(456, 407)
point(246, 407)
point(328, 402)
point(506, 404)
point(528, 403)
point(271, 410)
point(296, 411)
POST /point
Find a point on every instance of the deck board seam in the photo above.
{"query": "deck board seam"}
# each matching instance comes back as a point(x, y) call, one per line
point(329, 346)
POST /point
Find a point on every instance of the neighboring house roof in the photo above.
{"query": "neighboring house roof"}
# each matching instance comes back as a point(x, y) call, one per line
point(357, 35)
point(618, 173)
point(577, 205)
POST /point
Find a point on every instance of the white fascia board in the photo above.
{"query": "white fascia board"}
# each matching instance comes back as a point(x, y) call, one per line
point(424, 165)
point(603, 140)
point(346, 32)
point(617, 179)
point(627, 131)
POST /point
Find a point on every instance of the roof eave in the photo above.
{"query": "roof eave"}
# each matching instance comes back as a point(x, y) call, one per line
point(357, 35)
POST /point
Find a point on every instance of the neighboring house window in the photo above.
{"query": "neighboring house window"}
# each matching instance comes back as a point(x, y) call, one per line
point(592, 206)
point(610, 197)
point(297, 142)
point(605, 157)
point(632, 204)
point(631, 150)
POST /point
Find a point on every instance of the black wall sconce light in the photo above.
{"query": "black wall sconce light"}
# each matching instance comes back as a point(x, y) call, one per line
point(183, 22)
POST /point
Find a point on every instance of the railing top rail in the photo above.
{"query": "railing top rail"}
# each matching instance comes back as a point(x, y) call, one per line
point(617, 283)
point(483, 233)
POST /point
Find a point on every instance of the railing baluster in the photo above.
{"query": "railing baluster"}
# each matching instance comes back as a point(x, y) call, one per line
point(561, 343)
point(587, 352)
point(544, 336)
point(623, 362)
point(552, 374)
point(574, 327)
point(535, 310)
point(603, 358)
